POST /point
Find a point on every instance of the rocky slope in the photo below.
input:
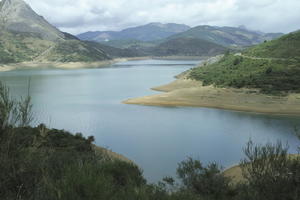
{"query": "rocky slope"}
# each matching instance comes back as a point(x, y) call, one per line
point(26, 36)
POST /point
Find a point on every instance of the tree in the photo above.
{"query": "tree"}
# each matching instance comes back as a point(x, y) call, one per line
point(205, 181)
point(13, 112)
point(271, 173)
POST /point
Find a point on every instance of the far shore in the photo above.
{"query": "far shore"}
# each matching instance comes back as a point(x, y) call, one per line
point(64, 65)
point(185, 92)
point(83, 65)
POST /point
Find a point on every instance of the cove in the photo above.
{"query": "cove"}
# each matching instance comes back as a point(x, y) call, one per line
point(156, 138)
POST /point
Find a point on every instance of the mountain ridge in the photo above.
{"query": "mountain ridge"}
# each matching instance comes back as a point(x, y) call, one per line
point(227, 36)
point(147, 32)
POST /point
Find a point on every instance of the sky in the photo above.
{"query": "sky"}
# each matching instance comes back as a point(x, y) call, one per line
point(77, 16)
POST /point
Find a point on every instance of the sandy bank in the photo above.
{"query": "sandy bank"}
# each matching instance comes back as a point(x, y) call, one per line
point(61, 65)
point(184, 92)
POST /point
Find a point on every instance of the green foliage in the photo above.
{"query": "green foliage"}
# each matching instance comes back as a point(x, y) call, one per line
point(76, 51)
point(273, 67)
point(187, 47)
point(5, 57)
point(288, 46)
point(271, 173)
point(271, 76)
point(20, 47)
point(13, 112)
point(208, 182)
point(13, 48)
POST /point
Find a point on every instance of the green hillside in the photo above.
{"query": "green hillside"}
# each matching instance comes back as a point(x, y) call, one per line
point(75, 51)
point(20, 47)
point(125, 44)
point(287, 47)
point(188, 47)
point(16, 47)
point(114, 52)
point(272, 67)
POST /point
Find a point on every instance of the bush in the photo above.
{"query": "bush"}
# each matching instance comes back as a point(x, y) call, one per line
point(207, 181)
point(271, 173)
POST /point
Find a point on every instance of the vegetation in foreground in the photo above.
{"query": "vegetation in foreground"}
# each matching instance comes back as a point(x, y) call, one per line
point(272, 67)
point(40, 163)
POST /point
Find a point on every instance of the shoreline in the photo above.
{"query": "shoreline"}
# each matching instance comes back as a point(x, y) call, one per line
point(190, 93)
point(62, 65)
point(82, 65)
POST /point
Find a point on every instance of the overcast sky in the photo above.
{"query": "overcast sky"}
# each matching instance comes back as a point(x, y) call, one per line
point(76, 16)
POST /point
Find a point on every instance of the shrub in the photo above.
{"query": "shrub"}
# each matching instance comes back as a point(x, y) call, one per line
point(271, 173)
point(205, 181)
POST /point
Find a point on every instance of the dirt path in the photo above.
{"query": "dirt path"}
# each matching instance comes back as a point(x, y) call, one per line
point(41, 56)
point(260, 58)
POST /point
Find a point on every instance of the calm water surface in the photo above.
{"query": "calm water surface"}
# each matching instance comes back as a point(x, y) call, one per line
point(156, 138)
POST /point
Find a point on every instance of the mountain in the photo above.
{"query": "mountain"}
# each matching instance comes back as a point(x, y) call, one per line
point(273, 67)
point(26, 36)
point(227, 36)
point(187, 41)
point(114, 52)
point(17, 16)
point(187, 47)
point(148, 32)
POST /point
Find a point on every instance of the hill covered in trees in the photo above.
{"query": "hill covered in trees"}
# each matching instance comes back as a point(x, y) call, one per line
point(272, 67)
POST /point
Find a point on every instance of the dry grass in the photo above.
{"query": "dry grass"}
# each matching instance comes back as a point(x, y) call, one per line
point(110, 154)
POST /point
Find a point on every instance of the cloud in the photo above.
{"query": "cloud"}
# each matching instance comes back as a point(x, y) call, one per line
point(77, 16)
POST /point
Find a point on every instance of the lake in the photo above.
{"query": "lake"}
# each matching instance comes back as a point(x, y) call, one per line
point(156, 138)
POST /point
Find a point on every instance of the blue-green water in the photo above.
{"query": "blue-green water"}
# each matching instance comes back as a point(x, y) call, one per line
point(156, 138)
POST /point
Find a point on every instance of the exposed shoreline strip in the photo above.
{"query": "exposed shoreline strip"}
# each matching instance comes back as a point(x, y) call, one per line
point(83, 65)
point(190, 93)
point(62, 65)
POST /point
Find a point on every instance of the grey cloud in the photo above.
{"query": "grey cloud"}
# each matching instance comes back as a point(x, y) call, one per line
point(77, 16)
